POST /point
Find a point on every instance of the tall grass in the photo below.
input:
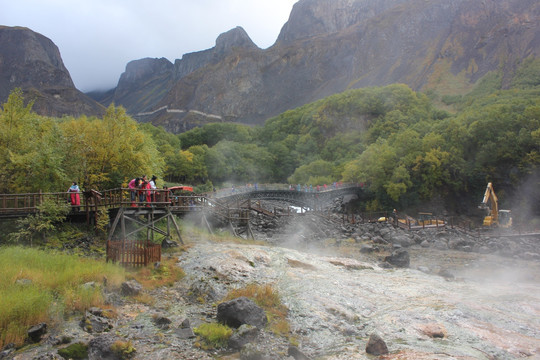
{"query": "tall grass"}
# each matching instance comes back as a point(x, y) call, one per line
point(54, 287)
point(215, 335)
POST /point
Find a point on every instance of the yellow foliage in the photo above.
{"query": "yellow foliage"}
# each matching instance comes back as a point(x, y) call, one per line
point(109, 149)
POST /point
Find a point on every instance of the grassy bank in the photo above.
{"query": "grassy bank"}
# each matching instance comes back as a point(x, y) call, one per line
point(41, 286)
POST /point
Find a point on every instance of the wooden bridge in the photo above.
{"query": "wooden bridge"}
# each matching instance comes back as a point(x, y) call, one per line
point(132, 212)
point(309, 199)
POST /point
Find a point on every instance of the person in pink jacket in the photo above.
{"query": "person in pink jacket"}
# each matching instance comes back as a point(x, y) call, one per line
point(132, 186)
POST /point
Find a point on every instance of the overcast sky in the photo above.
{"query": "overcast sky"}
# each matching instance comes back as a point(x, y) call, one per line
point(97, 38)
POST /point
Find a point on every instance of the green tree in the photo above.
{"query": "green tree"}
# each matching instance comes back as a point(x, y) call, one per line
point(31, 149)
point(374, 167)
point(188, 166)
point(112, 150)
point(213, 133)
point(230, 161)
point(399, 183)
point(316, 173)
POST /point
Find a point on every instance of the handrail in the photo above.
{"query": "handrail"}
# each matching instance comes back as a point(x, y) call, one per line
point(27, 203)
point(288, 187)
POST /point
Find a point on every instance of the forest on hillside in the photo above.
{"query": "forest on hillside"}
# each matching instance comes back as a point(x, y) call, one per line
point(406, 147)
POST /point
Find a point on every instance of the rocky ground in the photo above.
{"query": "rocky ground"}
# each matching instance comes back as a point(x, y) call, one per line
point(429, 294)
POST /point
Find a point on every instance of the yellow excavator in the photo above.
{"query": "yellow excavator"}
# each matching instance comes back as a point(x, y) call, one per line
point(495, 217)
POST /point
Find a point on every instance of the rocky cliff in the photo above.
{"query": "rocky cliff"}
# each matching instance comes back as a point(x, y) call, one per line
point(330, 46)
point(32, 62)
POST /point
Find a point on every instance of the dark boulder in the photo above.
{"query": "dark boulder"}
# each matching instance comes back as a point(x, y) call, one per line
point(167, 244)
point(100, 348)
point(131, 288)
point(36, 332)
point(96, 320)
point(376, 345)
point(399, 258)
point(296, 353)
point(241, 311)
point(185, 331)
point(161, 321)
point(244, 335)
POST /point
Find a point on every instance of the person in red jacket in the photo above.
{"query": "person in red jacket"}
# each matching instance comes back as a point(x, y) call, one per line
point(148, 192)
point(74, 196)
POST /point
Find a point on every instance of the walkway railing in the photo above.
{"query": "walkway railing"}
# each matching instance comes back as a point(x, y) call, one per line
point(16, 205)
point(24, 204)
point(28, 203)
point(225, 192)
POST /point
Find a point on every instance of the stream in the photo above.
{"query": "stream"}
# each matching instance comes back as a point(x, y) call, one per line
point(489, 308)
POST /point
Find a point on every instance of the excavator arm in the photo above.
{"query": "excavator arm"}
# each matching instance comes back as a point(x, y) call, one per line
point(490, 203)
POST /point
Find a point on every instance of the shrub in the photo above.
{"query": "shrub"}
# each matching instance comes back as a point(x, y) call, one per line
point(77, 351)
point(123, 349)
point(50, 213)
point(215, 335)
point(263, 295)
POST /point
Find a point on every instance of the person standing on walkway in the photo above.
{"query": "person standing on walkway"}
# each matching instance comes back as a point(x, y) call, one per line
point(153, 187)
point(142, 186)
point(75, 196)
point(146, 194)
point(132, 186)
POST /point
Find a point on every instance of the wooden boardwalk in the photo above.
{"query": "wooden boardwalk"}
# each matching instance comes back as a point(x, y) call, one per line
point(133, 212)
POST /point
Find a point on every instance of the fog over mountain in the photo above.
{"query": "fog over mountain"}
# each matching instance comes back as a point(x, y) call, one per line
point(324, 48)
point(328, 47)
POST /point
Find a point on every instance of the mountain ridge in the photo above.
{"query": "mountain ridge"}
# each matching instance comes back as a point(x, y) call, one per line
point(32, 62)
point(325, 48)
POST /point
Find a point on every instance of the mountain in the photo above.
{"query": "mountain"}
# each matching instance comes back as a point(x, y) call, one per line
point(32, 62)
point(326, 47)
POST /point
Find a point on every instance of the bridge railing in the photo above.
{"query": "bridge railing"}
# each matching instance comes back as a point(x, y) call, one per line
point(125, 197)
point(187, 203)
point(263, 187)
point(28, 203)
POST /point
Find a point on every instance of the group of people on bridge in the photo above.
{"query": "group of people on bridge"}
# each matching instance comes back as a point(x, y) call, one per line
point(141, 190)
point(318, 188)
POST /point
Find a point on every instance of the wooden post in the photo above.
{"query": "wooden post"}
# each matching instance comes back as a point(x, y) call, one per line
point(168, 228)
point(123, 248)
point(176, 227)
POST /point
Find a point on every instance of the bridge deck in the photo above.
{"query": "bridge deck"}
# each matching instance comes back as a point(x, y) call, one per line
point(21, 205)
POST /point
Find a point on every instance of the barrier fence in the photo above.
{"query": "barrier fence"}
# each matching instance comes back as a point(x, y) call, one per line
point(133, 252)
